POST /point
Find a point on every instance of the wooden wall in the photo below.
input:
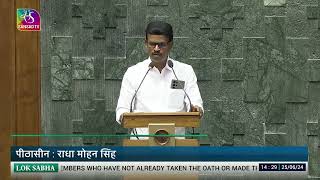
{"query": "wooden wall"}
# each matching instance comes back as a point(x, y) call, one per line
point(20, 79)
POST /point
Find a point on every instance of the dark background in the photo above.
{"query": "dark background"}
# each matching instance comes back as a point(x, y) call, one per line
point(257, 63)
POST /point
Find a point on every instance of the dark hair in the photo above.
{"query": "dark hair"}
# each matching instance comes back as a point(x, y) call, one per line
point(159, 28)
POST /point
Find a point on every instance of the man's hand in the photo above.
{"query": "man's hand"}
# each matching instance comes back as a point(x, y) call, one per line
point(196, 108)
point(121, 119)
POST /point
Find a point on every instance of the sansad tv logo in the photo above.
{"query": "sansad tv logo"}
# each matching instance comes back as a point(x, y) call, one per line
point(28, 20)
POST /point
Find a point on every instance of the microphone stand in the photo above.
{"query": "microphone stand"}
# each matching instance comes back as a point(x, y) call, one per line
point(170, 64)
point(135, 94)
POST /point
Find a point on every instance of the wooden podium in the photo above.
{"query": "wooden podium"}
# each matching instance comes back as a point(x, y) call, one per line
point(160, 123)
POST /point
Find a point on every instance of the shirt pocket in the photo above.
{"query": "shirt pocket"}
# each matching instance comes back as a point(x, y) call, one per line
point(176, 99)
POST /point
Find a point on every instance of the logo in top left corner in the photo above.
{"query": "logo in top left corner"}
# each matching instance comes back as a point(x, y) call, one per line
point(28, 20)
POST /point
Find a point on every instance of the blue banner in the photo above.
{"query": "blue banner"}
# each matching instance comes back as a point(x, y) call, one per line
point(202, 153)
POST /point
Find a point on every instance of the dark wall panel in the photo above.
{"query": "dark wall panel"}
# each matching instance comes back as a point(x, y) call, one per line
point(257, 64)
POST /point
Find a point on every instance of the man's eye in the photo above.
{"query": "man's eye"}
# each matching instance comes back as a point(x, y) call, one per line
point(160, 45)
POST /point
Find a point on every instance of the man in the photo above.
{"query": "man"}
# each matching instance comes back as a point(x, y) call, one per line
point(147, 86)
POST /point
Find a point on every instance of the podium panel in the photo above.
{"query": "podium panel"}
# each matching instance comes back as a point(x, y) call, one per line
point(179, 142)
point(162, 127)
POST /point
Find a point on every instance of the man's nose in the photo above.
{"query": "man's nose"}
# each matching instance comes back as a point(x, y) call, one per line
point(157, 48)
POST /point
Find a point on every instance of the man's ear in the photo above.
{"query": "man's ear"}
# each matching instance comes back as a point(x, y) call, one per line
point(170, 44)
point(145, 46)
point(145, 42)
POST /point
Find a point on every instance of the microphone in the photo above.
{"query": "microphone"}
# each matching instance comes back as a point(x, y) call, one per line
point(151, 65)
point(170, 64)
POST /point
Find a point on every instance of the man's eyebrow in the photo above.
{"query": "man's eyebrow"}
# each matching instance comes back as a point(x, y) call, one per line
point(157, 41)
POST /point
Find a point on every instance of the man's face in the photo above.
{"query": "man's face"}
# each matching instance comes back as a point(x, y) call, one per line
point(158, 47)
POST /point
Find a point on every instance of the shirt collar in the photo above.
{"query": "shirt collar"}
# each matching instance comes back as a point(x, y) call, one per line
point(166, 67)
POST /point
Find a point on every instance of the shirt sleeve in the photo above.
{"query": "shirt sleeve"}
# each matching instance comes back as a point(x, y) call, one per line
point(126, 94)
point(192, 90)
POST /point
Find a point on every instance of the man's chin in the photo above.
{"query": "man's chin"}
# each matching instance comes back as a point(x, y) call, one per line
point(156, 58)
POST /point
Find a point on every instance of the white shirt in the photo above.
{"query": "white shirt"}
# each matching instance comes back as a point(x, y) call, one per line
point(155, 93)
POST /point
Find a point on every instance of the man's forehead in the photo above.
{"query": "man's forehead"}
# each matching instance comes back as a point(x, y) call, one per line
point(157, 38)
